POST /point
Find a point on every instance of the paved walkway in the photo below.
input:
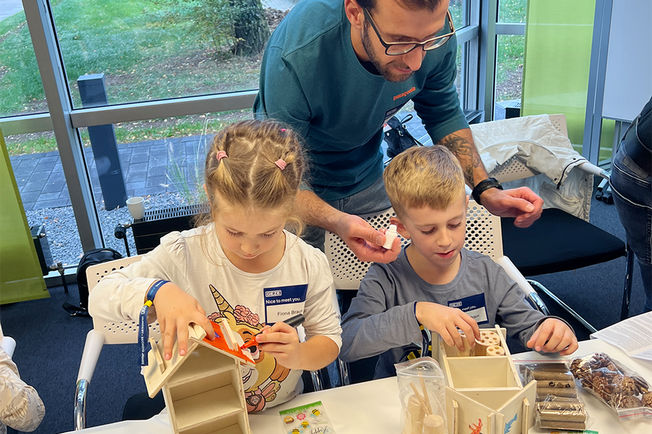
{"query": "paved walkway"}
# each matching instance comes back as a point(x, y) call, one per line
point(147, 168)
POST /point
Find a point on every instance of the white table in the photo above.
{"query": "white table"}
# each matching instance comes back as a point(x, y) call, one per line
point(374, 406)
point(601, 417)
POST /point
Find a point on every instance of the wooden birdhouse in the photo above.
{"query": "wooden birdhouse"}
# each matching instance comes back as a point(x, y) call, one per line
point(203, 390)
point(484, 393)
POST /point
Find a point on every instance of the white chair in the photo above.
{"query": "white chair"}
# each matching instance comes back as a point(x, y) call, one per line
point(346, 268)
point(483, 235)
point(561, 239)
point(103, 332)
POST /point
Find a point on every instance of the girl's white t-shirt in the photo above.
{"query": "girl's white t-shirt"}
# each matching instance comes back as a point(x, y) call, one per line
point(300, 283)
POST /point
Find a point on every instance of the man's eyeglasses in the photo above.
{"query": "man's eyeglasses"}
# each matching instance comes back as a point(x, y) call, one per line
point(400, 48)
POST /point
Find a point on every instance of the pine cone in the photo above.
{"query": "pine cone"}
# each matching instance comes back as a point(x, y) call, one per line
point(601, 386)
point(580, 370)
point(625, 385)
point(630, 402)
point(600, 360)
point(647, 399)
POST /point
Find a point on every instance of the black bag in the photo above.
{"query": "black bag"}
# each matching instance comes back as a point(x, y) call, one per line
point(398, 138)
point(92, 257)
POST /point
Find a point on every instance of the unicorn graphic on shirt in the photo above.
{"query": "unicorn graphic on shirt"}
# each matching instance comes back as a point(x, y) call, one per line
point(262, 382)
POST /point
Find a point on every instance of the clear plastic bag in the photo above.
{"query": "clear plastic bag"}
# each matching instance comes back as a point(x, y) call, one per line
point(618, 387)
point(558, 404)
point(422, 390)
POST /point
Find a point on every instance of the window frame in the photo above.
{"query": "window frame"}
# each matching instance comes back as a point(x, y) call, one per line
point(65, 120)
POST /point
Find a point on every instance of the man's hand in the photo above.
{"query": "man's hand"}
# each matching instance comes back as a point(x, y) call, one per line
point(448, 322)
point(364, 241)
point(522, 203)
point(553, 336)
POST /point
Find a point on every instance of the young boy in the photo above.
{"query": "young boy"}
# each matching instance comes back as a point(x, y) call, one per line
point(435, 282)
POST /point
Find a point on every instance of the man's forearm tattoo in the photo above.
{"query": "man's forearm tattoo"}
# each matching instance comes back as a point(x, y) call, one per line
point(465, 152)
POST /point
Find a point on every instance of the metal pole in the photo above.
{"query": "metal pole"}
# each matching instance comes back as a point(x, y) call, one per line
point(489, 14)
point(103, 142)
point(597, 75)
point(50, 64)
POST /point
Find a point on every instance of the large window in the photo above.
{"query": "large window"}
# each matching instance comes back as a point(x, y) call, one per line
point(509, 57)
point(512, 11)
point(21, 90)
point(34, 158)
point(46, 200)
point(161, 160)
point(170, 74)
point(166, 48)
point(509, 74)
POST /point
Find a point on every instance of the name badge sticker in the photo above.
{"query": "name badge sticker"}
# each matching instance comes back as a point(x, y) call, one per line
point(283, 302)
point(473, 305)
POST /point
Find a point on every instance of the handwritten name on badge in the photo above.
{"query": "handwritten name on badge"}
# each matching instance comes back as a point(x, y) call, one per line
point(284, 301)
point(474, 305)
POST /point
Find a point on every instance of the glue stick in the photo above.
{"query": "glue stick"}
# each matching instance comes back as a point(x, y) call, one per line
point(390, 236)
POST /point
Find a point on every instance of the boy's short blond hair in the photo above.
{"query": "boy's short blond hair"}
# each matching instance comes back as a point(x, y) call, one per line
point(423, 176)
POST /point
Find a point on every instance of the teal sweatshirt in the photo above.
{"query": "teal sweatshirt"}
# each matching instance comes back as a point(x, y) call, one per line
point(312, 80)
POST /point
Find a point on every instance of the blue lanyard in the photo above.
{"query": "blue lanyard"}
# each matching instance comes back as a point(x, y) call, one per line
point(143, 329)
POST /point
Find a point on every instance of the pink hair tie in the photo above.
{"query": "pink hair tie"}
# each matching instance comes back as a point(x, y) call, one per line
point(283, 130)
point(220, 155)
point(281, 163)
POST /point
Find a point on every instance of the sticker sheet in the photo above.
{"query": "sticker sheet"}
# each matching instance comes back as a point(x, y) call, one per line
point(310, 418)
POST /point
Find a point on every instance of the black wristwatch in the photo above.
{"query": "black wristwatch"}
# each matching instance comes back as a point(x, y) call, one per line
point(484, 185)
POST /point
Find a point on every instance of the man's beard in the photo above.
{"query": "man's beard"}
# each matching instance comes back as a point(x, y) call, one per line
point(383, 70)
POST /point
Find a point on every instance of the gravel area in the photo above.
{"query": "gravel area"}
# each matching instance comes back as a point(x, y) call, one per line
point(61, 227)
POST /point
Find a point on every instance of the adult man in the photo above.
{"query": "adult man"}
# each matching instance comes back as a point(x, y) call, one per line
point(336, 71)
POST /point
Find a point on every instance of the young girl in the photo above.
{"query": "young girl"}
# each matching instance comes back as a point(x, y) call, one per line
point(243, 266)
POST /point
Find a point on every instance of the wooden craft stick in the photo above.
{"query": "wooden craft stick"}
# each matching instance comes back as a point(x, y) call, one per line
point(557, 404)
point(564, 384)
point(421, 399)
point(556, 391)
point(414, 415)
point(577, 426)
point(433, 424)
point(551, 367)
point(562, 415)
point(414, 389)
point(551, 375)
point(569, 399)
point(425, 395)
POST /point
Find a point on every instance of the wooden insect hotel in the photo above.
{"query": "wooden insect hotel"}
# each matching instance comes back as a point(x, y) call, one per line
point(484, 393)
point(203, 390)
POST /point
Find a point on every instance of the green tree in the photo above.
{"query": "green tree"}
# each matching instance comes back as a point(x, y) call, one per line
point(250, 28)
point(237, 26)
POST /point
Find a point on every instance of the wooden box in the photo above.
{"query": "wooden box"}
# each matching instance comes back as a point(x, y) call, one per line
point(484, 394)
point(203, 390)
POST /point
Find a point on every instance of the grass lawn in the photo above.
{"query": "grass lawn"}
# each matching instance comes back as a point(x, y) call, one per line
point(144, 55)
point(141, 52)
point(509, 52)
